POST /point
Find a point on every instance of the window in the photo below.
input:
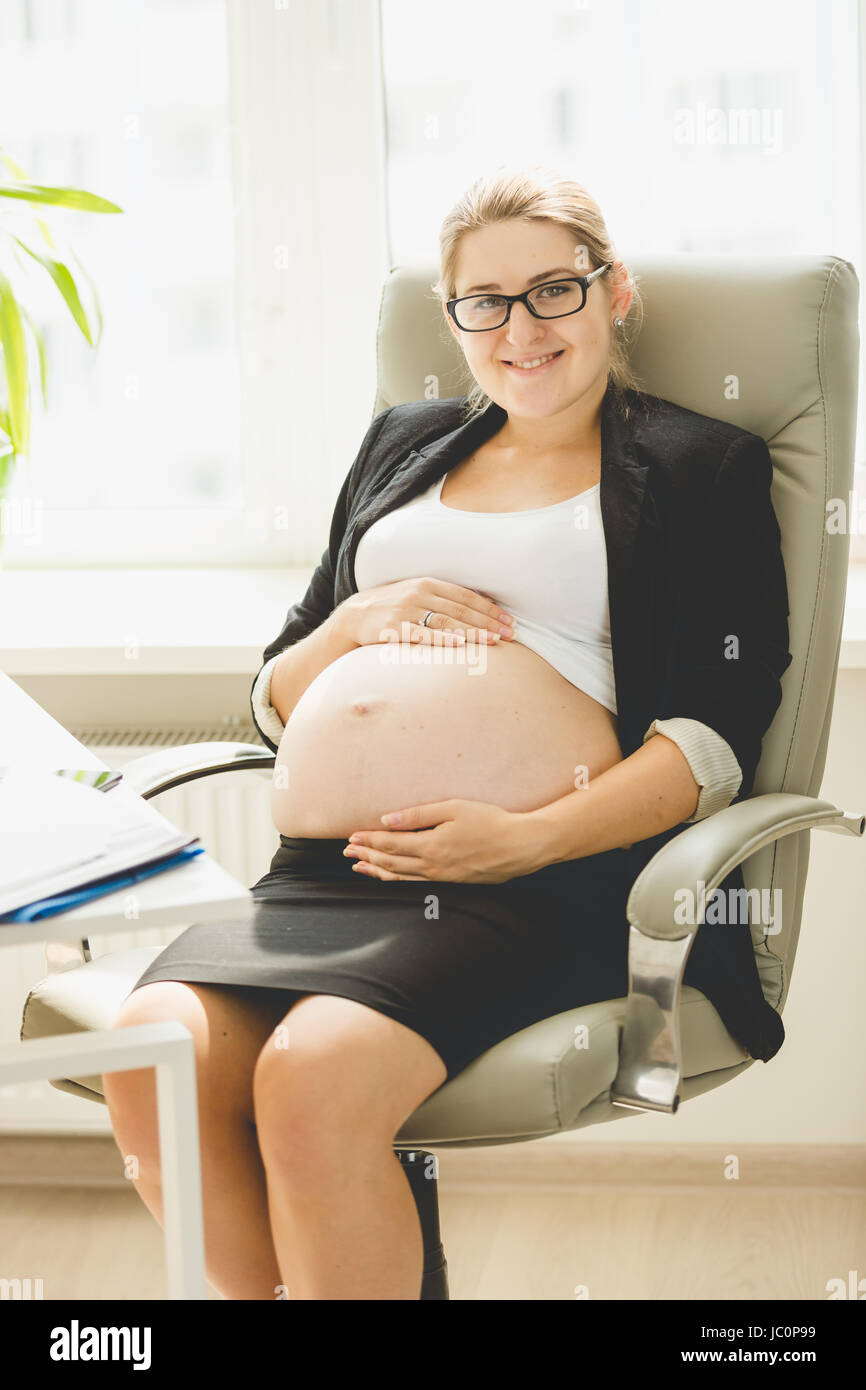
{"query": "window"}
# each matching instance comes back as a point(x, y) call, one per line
point(137, 458)
point(237, 373)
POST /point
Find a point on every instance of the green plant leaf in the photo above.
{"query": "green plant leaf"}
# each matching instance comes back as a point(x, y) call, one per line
point(94, 295)
point(59, 197)
point(14, 169)
point(40, 350)
point(14, 346)
point(62, 278)
point(7, 461)
point(46, 231)
point(6, 450)
point(7, 458)
point(19, 173)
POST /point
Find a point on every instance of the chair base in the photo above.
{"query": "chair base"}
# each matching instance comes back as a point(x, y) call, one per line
point(435, 1281)
point(421, 1169)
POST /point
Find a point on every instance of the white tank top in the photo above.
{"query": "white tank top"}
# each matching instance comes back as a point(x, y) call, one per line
point(546, 566)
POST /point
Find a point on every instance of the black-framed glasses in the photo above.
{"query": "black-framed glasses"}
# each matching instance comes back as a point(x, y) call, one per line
point(477, 313)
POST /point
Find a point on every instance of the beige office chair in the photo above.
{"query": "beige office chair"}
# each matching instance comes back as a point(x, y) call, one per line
point(786, 328)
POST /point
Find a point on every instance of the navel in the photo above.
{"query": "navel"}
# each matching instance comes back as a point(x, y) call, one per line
point(367, 704)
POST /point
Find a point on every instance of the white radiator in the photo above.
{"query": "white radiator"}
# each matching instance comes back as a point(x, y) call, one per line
point(231, 816)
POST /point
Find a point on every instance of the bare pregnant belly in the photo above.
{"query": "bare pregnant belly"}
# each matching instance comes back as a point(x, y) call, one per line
point(392, 725)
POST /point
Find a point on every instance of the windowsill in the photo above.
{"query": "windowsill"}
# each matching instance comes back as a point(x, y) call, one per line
point(190, 622)
point(148, 622)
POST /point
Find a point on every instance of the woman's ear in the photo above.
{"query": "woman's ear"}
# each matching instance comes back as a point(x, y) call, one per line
point(451, 324)
point(621, 293)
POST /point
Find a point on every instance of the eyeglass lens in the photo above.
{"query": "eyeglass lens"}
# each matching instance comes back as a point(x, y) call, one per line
point(489, 310)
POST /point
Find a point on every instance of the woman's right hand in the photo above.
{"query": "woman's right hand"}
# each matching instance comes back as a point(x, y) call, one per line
point(375, 615)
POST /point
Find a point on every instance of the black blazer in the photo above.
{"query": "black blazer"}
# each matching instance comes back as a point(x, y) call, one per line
point(693, 558)
point(693, 555)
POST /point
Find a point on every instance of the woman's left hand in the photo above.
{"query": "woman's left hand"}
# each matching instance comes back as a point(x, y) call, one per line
point(468, 842)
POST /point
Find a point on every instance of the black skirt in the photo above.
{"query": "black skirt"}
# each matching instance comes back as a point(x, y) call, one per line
point(464, 965)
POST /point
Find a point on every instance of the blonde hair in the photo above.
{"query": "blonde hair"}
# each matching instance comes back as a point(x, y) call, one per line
point(538, 193)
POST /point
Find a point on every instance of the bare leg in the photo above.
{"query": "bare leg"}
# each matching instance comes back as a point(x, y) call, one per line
point(331, 1089)
point(229, 1025)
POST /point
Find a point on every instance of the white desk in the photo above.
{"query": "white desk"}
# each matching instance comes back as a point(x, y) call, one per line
point(193, 892)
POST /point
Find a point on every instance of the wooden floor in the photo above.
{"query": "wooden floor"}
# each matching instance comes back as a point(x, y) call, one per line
point(614, 1243)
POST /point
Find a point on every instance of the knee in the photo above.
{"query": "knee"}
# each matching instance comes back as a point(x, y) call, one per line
point(155, 1003)
point(305, 1112)
point(296, 1104)
point(131, 1095)
point(119, 1085)
point(336, 1076)
point(139, 1007)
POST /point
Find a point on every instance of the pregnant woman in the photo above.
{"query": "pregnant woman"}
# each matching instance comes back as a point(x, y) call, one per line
point(548, 630)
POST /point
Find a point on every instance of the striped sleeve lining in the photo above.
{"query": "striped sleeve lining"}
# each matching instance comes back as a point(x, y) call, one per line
point(266, 716)
point(710, 758)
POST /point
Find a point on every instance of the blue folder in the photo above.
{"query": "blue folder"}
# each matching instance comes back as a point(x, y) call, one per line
point(62, 902)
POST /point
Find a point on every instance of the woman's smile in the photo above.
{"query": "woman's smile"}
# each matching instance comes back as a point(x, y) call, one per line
point(533, 366)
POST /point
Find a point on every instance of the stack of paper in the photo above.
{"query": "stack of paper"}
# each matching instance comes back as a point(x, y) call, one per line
point(59, 837)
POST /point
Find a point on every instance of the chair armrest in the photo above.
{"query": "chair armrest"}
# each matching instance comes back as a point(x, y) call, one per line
point(649, 1076)
point(171, 767)
point(157, 772)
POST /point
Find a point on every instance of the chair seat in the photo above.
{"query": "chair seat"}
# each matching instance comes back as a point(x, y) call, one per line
point(532, 1084)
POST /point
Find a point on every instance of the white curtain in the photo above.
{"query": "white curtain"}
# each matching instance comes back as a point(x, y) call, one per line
point(308, 152)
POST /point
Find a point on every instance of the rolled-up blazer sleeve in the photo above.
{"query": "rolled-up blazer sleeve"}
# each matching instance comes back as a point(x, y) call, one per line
point(265, 717)
point(732, 642)
point(712, 763)
point(318, 602)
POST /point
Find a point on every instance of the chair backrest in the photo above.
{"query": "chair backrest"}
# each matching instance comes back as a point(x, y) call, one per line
point(772, 345)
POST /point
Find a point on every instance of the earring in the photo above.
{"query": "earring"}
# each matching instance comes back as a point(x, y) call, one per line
point(617, 323)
